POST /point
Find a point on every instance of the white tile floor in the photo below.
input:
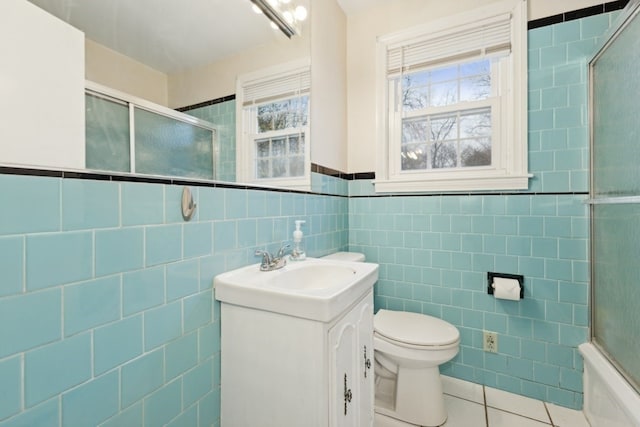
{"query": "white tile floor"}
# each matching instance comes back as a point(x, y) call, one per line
point(474, 405)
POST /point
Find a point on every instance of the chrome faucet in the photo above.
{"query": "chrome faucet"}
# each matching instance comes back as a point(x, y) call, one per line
point(271, 262)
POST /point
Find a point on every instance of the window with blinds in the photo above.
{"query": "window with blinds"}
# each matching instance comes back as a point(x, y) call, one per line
point(274, 146)
point(454, 112)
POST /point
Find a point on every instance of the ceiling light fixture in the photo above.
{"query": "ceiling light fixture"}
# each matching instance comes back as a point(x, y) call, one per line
point(274, 15)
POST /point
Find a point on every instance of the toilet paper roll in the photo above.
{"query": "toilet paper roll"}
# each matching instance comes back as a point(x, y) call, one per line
point(504, 288)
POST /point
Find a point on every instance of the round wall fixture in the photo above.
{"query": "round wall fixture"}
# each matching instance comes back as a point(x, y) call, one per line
point(188, 207)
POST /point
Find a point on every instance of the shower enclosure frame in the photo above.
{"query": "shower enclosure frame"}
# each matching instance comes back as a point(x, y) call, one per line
point(631, 12)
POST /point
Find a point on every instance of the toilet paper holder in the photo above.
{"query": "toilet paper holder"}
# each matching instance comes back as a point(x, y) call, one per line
point(518, 277)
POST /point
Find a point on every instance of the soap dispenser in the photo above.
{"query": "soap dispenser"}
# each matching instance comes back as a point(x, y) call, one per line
point(298, 254)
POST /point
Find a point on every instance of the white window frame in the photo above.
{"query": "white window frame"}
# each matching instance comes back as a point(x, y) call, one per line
point(271, 88)
point(508, 170)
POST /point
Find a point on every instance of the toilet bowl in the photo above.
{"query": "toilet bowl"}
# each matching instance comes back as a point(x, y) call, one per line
point(408, 350)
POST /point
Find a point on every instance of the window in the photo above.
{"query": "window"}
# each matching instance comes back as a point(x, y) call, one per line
point(279, 137)
point(446, 120)
point(128, 134)
point(454, 111)
point(274, 126)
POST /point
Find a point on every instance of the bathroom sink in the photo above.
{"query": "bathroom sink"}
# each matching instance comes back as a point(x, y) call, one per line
point(312, 276)
point(315, 289)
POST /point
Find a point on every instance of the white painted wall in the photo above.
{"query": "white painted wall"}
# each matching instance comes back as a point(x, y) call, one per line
point(329, 85)
point(115, 70)
point(218, 79)
point(211, 81)
point(363, 28)
point(41, 88)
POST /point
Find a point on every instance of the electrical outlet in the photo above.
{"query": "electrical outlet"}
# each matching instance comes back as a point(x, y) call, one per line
point(490, 341)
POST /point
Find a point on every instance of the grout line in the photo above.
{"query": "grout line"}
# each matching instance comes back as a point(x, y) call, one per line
point(549, 421)
point(463, 398)
point(548, 413)
point(522, 416)
point(486, 412)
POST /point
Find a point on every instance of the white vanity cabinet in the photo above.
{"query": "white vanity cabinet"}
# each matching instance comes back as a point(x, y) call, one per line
point(286, 371)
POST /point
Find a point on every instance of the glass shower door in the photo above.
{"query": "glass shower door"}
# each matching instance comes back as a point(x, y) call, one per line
point(615, 199)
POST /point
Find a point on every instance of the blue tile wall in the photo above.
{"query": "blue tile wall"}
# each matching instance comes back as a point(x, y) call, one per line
point(435, 251)
point(325, 184)
point(107, 312)
point(108, 317)
point(558, 109)
point(223, 115)
point(437, 265)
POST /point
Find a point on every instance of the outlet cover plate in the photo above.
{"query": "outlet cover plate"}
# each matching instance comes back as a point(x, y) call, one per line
point(490, 341)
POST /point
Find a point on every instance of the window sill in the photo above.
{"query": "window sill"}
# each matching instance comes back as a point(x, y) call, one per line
point(493, 183)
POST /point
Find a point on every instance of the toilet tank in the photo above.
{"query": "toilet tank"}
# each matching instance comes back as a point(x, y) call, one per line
point(346, 256)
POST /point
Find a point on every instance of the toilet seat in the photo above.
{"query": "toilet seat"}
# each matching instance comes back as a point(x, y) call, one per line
point(401, 344)
point(414, 330)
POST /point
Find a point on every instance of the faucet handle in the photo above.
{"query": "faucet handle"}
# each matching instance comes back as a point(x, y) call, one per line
point(266, 258)
point(282, 249)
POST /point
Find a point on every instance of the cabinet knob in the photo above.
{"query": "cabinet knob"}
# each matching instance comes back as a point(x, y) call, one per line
point(347, 394)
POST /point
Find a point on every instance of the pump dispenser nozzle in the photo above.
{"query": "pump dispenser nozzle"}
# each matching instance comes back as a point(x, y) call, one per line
point(298, 254)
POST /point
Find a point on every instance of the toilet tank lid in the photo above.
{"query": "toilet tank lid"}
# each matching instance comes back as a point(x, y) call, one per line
point(414, 328)
point(346, 256)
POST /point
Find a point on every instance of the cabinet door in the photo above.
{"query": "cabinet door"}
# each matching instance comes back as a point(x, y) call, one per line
point(344, 380)
point(365, 361)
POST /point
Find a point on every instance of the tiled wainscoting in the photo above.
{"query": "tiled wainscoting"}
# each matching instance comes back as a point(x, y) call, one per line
point(107, 312)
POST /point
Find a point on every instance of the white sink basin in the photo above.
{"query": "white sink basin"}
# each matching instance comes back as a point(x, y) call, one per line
point(312, 276)
point(316, 289)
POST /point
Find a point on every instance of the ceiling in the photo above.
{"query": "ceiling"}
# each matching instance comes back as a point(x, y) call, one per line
point(354, 6)
point(167, 35)
point(172, 35)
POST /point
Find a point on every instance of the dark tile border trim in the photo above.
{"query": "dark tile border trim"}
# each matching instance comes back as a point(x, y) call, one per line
point(536, 193)
point(337, 174)
point(577, 14)
point(9, 170)
point(207, 103)
point(97, 176)
point(326, 171)
point(363, 175)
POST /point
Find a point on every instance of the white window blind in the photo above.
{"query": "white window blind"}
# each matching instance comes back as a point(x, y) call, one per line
point(277, 87)
point(488, 36)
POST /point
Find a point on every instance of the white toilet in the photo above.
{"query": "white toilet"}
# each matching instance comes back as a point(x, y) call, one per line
point(408, 350)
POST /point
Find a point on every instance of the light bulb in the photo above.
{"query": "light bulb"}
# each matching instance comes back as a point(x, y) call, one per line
point(300, 13)
point(288, 16)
